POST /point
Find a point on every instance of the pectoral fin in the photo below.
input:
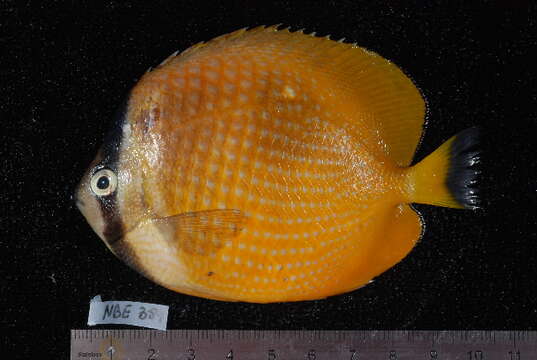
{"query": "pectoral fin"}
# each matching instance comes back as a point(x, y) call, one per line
point(201, 232)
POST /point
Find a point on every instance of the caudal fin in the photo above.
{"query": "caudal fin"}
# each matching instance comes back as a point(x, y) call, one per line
point(447, 177)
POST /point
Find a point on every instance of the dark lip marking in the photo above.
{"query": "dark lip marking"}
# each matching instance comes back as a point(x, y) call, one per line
point(113, 230)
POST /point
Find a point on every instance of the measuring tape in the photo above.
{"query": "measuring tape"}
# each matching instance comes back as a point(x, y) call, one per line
point(302, 345)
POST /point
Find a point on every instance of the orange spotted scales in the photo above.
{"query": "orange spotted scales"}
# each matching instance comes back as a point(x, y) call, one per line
point(269, 165)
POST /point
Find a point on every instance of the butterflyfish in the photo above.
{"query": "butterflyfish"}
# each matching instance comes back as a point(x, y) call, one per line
point(268, 165)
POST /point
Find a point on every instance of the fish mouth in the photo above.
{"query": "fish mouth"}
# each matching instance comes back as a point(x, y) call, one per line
point(112, 241)
point(104, 215)
point(113, 230)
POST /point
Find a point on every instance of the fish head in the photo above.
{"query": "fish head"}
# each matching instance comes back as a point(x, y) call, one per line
point(96, 199)
point(109, 194)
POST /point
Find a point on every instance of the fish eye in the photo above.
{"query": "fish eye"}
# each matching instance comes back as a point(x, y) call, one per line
point(103, 182)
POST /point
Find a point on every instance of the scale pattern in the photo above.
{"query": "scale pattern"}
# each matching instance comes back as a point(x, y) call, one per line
point(260, 129)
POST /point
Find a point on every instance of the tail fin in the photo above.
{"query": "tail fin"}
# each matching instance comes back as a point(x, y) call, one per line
point(447, 177)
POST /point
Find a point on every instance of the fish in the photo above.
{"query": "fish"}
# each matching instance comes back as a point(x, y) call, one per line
point(270, 165)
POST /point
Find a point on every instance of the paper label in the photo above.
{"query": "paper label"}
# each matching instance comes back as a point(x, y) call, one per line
point(152, 316)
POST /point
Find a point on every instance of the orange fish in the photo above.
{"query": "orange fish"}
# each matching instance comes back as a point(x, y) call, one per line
point(269, 165)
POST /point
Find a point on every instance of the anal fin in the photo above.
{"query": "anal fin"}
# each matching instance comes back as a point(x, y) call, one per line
point(385, 243)
point(400, 237)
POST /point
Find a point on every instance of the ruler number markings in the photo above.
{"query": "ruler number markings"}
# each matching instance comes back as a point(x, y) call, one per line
point(475, 355)
point(110, 351)
point(515, 355)
point(152, 354)
point(191, 354)
point(152, 345)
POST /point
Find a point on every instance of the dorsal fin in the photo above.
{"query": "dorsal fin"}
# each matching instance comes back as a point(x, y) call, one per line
point(387, 101)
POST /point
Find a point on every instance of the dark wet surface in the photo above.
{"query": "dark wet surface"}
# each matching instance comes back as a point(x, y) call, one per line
point(65, 69)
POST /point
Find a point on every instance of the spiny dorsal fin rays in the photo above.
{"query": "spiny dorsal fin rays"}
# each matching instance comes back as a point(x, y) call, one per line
point(240, 32)
point(192, 49)
point(169, 58)
point(237, 34)
point(387, 99)
point(202, 44)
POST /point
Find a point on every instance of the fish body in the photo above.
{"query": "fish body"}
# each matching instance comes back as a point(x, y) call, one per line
point(267, 165)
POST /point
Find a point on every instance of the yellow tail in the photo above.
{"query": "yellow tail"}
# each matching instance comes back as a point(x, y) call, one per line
point(447, 176)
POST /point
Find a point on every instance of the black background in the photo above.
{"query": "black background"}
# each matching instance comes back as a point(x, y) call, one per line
point(66, 66)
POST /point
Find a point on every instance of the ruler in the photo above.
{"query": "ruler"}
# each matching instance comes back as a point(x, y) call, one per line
point(302, 345)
